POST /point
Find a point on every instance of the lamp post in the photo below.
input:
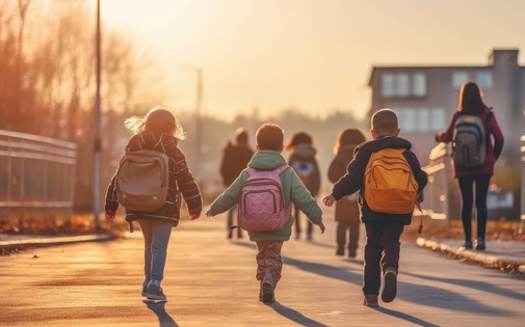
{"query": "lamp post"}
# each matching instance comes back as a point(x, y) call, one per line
point(97, 143)
point(198, 120)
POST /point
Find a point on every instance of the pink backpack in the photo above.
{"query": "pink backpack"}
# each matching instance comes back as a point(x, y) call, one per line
point(261, 206)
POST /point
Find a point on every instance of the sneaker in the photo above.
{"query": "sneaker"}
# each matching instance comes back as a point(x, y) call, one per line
point(390, 289)
point(309, 237)
point(145, 288)
point(370, 300)
point(340, 251)
point(155, 293)
point(352, 253)
point(466, 246)
point(267, 292)
point(480, 244)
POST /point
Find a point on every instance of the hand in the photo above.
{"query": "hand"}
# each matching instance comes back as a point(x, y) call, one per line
point(209, 213)
point(328, 200)
point(110, 215)
point(321, 227)
point(195, 215)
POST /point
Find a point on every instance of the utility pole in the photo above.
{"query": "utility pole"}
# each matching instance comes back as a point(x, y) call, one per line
point(97, 144)
point(198, 118)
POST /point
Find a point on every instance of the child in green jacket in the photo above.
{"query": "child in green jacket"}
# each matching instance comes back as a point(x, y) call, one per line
point(270, 144)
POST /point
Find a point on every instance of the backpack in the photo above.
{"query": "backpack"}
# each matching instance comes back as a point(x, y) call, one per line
point(304, 170)
point(469, 142)
point(390, 186)
point(261, 204)
point(142, 181)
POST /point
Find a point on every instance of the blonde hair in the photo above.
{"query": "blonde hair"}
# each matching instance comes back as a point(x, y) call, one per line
point(158, 121)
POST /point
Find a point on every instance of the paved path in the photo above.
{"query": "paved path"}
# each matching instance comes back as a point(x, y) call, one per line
point(210, 282)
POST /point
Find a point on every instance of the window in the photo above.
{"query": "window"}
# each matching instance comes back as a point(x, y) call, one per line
point(419, 85)
point(458, 79)
point(484, 80)
point(387, 85)
point(403, 85)
point(421, 120)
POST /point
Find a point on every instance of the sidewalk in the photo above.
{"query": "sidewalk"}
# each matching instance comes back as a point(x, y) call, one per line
point(503, 255)
point(13, 241)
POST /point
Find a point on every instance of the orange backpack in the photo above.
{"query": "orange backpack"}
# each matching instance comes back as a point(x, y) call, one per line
point(390, 186)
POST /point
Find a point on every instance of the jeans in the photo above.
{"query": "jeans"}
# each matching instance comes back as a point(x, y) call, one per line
point(467, 196)
point(381, 251)
point(156, 238)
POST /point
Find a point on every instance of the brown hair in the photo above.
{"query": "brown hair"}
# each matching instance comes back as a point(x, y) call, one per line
point(470, 98)
point(349, 136)
point(298, 138)
point(241, 136)
point(384, 122)
point(270, 137)
point(157, 121)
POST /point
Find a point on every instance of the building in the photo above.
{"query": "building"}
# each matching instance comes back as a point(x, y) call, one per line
point(424, 97)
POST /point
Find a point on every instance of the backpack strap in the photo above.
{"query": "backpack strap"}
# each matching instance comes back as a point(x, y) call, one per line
point(279, 170)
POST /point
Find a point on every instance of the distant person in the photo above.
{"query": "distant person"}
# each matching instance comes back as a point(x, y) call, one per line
point(158, 131)
point(234, 159)
point(270, 138)
point(346, 209)
point(383, 227)
point(302, 159)
point(472, 104)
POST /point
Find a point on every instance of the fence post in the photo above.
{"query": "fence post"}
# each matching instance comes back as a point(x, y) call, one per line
point(522, 187)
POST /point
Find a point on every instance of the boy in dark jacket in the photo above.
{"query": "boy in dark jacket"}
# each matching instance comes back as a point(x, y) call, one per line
point(383, 230)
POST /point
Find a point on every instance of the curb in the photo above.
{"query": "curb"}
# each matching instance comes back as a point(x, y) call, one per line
point(54, 240)
point(489, 261)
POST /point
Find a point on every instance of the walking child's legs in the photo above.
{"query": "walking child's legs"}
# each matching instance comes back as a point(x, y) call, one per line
point(354, 226)
point(373, 251)
point(391, 245)
point(297, 221)
point(147, 233)
point(269, 261)
point(156, 237)
point(340, 235)
point(467, 196)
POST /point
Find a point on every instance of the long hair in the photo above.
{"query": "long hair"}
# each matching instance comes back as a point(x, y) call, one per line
point(349, 136)
point(470, 98)
point(157, 121)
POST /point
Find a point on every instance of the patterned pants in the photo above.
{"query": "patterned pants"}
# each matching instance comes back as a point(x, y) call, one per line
point(269, 261)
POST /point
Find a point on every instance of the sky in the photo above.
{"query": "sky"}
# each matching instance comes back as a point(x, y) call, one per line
point(313, 55)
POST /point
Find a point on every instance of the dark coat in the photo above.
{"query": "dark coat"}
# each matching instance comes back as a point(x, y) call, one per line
point(354, 179)
point(235, 158)
point(345, 209)
point(181, 180)
point(494, 148)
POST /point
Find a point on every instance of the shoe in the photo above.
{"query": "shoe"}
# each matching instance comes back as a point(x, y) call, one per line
point(480, 244)
point(309, 237)
point(155, 293)
point(352, 253)
point(370, 300)
point(145, 288)
point(267, 293)
point(390, 290)
point(466, 246)
point(340, 251)
point(297, 236)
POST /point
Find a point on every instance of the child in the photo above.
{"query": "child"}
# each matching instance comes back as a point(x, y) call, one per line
point(235, 158)
point(347, 209)
point(270, 138)
point(383, 230)
point(302, 160)
point(160, 131)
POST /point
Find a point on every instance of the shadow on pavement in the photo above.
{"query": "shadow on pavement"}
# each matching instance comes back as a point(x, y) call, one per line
point(294, 315)
point(164, 318)
point(406, 317)
point(474, 284)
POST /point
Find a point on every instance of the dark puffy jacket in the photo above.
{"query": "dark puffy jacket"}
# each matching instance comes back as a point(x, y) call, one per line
point(234, 159)
point(354, 179)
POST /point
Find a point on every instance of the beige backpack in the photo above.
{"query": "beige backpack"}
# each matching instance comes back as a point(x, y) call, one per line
point(142, 182)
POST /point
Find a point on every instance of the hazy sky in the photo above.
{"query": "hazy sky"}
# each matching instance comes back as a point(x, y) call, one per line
point(316, 55)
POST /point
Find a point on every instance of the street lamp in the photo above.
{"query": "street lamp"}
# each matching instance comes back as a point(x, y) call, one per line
point(97, 144)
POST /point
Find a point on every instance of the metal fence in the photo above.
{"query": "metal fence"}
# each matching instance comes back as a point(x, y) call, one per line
point(37, 174)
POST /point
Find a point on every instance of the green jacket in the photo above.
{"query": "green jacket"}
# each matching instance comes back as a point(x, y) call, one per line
point(294, 191)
